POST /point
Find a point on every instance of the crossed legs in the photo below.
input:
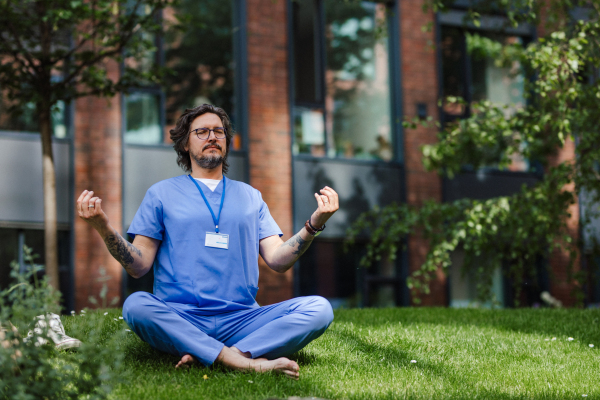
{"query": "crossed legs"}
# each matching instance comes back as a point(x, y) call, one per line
point(257, 339)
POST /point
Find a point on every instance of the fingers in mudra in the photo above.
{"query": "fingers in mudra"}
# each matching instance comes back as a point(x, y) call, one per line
point(329, 198)
point(88, 205)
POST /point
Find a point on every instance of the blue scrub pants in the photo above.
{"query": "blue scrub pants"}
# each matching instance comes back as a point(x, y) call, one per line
point(271, 331)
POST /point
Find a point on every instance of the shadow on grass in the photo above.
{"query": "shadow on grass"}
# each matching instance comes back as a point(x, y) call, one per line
point(304, 359)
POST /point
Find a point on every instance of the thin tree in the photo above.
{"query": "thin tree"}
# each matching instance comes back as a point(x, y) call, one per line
point(59, 50)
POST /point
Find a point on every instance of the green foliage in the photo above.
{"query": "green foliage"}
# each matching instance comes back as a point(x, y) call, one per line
point(60, 50)
point(30, 371)
point(562, 108)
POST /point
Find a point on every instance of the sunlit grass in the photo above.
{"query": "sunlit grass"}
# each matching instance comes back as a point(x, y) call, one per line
point(367, 354)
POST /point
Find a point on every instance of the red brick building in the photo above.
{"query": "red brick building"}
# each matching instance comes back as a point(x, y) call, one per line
point(317, 90)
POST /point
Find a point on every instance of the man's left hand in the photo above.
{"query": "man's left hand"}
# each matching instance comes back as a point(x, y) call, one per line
point(328, 203)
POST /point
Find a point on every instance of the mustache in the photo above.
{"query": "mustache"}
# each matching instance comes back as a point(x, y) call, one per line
point(206, 146)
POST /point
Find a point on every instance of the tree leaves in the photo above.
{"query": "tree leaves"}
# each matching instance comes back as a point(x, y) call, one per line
point(562, 107)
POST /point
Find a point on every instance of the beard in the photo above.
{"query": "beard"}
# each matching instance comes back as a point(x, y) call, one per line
point(210, 161)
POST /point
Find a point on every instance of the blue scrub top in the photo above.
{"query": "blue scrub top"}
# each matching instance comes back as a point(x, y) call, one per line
point(185, 270)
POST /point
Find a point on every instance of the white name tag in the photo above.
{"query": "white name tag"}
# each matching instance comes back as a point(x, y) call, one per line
point(218, 240)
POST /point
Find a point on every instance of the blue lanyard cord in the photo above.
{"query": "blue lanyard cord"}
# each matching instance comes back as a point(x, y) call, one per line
point(217, 218)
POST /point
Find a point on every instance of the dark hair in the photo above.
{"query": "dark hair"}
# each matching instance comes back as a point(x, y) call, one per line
point(181, 133)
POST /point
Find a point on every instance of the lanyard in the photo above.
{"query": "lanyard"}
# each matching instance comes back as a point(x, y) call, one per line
point(215, 219)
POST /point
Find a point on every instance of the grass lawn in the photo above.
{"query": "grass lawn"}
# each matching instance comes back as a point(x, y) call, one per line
point(368, 353)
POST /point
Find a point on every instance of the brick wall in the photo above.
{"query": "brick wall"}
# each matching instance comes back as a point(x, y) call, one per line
point(97, 167)
point(419, 85)
point(560, 285)
point(269, 124)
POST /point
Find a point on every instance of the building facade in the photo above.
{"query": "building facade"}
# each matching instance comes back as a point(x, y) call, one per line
point(317, 91)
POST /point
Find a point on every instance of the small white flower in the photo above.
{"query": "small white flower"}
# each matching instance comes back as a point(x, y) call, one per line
point(72, 312)
point(83, 311)
point(570, 339)
point(115, 319)
point(584, 395)
point(106, 313)
point(127, 330)
point(120, 317)
point(546, 340)
point(591, 345)
point(553, 338)
point(413, 361)
point(250, 382)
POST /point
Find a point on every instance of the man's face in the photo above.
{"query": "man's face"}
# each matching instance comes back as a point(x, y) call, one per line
point(209, 153)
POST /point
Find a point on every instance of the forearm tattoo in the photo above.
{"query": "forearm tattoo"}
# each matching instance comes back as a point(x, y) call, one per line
point(299, 244)
point(122, 251)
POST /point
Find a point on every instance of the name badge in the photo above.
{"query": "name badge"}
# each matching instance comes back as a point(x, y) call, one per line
point(218, 240)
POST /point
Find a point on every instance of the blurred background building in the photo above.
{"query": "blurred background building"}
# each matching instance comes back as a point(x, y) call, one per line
point(317, 91)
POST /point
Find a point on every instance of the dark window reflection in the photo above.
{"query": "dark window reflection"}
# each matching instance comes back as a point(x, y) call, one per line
point(327, 270)
point(307, 52)
point(26, 119)
point(453, 68)
point(199, 50)
point(11, 241)
point(143, 118)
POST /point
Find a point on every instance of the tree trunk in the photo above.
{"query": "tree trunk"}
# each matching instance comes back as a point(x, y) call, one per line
point(50, 214)
point(44, 106)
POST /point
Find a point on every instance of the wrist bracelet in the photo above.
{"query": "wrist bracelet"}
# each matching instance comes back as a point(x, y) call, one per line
point(312, 230)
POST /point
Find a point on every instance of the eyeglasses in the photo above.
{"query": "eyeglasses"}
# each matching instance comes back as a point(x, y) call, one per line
point(204, 133)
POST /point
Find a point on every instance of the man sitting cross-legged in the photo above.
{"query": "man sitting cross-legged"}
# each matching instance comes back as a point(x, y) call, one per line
point(203, 234)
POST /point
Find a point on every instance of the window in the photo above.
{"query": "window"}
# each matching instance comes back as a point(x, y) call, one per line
point(26, 121)
point(329, 271)
point(142, 110)
point(198, 48)
point(11, 249)
point(469, 71)
point(342, 104)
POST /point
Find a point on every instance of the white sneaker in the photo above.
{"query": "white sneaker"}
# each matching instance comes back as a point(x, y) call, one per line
point(51, 325)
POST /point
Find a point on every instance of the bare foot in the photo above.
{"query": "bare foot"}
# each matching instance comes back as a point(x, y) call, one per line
point(234, 359)
point(281, 365)
point(186, 361)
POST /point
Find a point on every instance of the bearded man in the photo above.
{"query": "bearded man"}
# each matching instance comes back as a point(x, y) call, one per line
point(203, 233)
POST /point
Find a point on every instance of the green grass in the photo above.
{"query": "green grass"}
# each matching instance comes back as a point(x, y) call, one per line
point(367, 353)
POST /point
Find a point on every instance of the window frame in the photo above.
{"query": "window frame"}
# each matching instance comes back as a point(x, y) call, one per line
point(394, 78)
point(494, 23)
point(240, 83)
point(455, 18)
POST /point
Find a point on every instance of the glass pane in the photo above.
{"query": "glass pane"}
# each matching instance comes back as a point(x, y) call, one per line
point(199, 50)
point(143, 123)
point(26, 120)
point(9, 245)
point(500, 84)
point(309, 131)
point(357, 79)
point(307, 77)
point(453, 68)
point(327, 269)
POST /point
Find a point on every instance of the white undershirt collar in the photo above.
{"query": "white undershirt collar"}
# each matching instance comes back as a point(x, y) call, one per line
point(211, 183)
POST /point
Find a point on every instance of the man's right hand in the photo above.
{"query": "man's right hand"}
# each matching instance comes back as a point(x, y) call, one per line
point(136, 257)
point(90, 210)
